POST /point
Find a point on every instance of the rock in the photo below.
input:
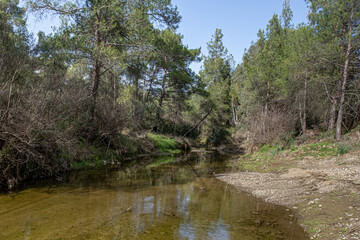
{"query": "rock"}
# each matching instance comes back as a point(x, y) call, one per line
point(311, 203)
point(356, 182)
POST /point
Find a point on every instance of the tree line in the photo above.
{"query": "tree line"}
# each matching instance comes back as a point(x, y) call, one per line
point(113, 69)
point(306, 77)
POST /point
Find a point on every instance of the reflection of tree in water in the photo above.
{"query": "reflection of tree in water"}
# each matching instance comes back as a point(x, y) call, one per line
point(204, 212)
point(169, 201)
point(183, 204)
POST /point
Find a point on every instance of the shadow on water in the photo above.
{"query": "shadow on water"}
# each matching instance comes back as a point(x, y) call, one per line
point(162, 198)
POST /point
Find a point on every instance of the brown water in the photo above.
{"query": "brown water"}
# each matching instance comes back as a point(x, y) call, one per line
point(168, 199)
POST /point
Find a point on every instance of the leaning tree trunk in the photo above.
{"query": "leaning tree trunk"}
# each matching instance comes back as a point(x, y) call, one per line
point(344, 80)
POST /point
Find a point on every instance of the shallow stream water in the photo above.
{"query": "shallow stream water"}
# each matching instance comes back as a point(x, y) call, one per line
point(166, 198)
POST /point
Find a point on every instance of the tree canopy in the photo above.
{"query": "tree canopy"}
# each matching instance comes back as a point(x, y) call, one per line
point(115, 69)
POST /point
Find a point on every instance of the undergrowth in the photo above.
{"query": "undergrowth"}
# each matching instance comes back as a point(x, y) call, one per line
point(279, 157)
point(164, 144)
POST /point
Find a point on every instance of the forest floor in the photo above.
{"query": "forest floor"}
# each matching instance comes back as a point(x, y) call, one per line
point(320, 181)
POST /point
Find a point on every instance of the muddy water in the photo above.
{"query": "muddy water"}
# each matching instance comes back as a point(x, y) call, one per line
point(170, 198)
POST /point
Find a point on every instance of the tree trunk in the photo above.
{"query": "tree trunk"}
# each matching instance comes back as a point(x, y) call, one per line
point(95, 76)
point(137, 87)
point(345, 77)
point(265, 111)
point(197, 125)
point(304, 105)
point(144, 92)
point(235, 117)
point(162, 94)
point(302, 108)
point(114, 89)
point(150, 85)
point(332, 113)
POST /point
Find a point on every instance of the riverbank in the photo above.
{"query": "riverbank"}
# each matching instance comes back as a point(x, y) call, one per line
point(89, 155)
point(320, 181)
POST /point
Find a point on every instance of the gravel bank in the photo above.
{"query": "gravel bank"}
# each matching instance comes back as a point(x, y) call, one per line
point(324, 193)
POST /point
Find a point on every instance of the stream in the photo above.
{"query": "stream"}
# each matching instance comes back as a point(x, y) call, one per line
point(161, 198)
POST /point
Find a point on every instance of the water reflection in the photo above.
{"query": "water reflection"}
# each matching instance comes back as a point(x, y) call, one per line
point(168, 199)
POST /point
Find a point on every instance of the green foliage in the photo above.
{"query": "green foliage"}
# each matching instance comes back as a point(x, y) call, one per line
point(287, 139)
point(328, 135)
point(317, 150)
point(216, 74)
point(218, 136)
point(270, 150)
point(116, 68)
point(265, 156)
point(343, 149)
point(164, 144)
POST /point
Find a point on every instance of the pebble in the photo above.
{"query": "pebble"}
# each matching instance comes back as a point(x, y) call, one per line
point(311, 203)
point(356, 182)
point(320, 205)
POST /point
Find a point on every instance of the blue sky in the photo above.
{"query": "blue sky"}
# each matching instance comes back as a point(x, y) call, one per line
point(239, 20)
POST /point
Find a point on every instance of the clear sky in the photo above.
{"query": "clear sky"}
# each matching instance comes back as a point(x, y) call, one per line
point(239, 20)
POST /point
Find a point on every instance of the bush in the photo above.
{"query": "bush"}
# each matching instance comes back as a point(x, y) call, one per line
point(272, 127)
point(287, 139)
point(343, 149)
point(218, 136)
point(330, 134)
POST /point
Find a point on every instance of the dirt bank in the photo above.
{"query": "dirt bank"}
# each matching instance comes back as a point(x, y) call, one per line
point(325, 193)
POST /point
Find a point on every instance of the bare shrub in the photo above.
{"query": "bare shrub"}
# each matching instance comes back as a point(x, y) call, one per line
point(39, 129)
point(267, 128)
